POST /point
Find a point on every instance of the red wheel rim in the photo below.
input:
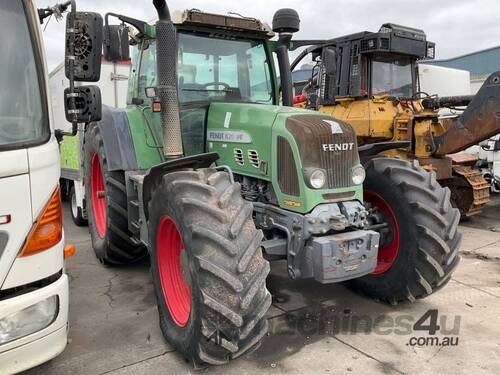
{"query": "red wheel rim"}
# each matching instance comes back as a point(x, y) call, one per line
point(98, 196)
point(176, 291)
point(388, 253)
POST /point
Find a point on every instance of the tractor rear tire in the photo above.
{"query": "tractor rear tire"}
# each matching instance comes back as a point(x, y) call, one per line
point(421, 252)
point(208, 270)
point(107, 208)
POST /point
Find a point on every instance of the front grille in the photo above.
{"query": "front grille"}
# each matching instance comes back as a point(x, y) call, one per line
point(326, 143)
point(288, 180)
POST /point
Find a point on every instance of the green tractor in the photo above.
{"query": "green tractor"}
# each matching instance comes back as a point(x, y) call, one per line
point(207, 174)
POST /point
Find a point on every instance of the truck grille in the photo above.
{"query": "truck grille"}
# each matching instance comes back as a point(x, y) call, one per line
point(287, 169)
point(327, 144)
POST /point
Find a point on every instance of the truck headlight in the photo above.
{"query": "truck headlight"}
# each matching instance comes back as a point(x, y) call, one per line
point(316, 178)
point(358, 175)
point(28, 320)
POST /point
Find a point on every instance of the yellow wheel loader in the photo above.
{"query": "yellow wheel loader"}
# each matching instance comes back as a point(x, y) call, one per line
point(370, 80)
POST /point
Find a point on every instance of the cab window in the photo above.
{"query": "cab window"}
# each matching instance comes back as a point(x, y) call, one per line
point(23, 119)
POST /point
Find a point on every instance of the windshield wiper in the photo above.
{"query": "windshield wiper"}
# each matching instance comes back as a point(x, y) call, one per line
point(208, 90)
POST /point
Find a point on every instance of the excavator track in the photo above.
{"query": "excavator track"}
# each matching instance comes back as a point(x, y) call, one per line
point(469, 190)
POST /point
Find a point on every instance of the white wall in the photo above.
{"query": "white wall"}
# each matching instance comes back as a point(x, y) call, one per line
point(444, 81)
point(58, 82)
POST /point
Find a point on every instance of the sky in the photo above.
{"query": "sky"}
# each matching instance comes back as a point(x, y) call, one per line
point(456, 26)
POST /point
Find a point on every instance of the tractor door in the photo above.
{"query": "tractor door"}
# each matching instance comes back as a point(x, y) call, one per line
point(192, 115)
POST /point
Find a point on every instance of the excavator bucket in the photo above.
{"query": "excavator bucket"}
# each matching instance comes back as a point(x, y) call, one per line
point(479, 121)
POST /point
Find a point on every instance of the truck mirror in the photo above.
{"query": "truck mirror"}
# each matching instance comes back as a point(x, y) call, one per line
point(330, 61)
point(116, 45)
point(88, 106)
point(83, 46)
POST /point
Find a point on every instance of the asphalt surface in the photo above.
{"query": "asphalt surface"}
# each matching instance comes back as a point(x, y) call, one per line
point(314, 329)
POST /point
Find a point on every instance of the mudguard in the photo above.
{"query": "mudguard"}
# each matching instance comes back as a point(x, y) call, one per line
point(154, 174)
point(117, 139)
point(366, 152)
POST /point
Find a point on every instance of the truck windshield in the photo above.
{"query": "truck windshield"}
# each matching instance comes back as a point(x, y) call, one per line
point(222, 69)
point(392, 77)
point(22, 120)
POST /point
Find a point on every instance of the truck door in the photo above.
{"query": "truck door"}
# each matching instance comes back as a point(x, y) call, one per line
point(28, 157)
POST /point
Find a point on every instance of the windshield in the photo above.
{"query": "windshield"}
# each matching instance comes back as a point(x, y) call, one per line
point(393, 78)
point(221, 69)
point(21, 114)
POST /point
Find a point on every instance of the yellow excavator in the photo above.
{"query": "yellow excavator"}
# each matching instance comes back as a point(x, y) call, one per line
point(371, 81)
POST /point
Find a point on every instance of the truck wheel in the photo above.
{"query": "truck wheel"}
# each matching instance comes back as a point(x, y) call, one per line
point(419, 251)
point(76, 212)
point(208, 271)
point(107, 206)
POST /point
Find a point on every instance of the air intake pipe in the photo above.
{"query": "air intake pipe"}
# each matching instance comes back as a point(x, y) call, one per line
point(166, 60)
point(285, 22)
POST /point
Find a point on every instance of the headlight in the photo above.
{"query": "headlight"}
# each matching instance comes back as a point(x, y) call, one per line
point(358, 175)
point(28, 320)
point(317, 179)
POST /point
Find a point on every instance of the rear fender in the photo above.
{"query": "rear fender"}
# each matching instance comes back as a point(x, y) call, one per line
point(117, 139)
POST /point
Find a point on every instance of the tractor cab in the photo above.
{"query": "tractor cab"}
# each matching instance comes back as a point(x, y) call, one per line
point(234, 64)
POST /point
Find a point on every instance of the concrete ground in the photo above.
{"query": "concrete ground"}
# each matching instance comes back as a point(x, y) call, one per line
point(314, 329)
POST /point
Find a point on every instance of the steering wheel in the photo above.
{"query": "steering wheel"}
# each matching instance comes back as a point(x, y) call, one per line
point(205, 85)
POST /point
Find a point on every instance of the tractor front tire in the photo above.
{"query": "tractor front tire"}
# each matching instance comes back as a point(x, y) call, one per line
point(207, 266)
point(106, 201)
point(420, 254)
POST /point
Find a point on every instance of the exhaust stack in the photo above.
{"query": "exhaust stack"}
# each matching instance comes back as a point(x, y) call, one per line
point(285, 22)
point(166, 60)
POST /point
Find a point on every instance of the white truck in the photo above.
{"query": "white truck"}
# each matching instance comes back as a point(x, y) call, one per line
point(113, 85)
point(33, 282)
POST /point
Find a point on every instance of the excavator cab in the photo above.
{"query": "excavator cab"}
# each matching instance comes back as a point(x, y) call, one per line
point(366, 64)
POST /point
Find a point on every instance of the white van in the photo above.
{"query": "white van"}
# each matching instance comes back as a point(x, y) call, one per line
point(33, 284)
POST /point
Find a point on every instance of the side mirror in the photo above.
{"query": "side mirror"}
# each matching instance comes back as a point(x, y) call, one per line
point(329, 59)
point(116, 46)
point(83, 46)
point(87, 104)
